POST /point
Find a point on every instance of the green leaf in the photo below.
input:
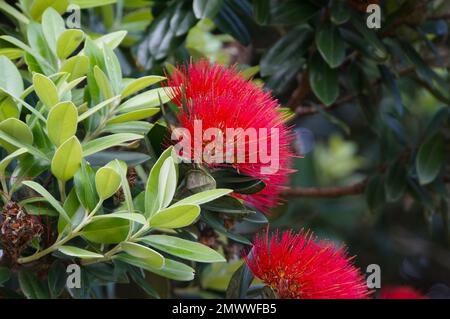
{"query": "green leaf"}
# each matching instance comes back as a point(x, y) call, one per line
point(68, 41)
point(22, 102)
point(74, 211)
point(323, 81)
point(206, 8)
point(330, 45)
point(57, 277)
point(292, 12)
point(18, 135)
point(135, 127)
point(12, 11)
point(134, 115)
point(67, 159)
point(85, 4)
point(106, 142)
point(151, 257)
point(11, 53)
point(130, 158)
point(378, 49)
point(396, 181)
point(31, 287)
point(39, 209)
point(135, 217)
point(8, 108)
point(45, 89)
point(52, 26)
point(375, 193)
point(106, 230)
point(152, 204)
point(228, 21)
point(288, 51)
point(175, 217)
point(239, 283)
point(140, 84)
point(121, 168)
point(76, 66)
point(204, 197)
point(182, 248)
point(107, 182)
point(4, 275)
point(261, 11)
point(216, 222)
point(339, 12)
point(96, 108)
point(102, 82)
point(44, 193)
point(112, 40)
point(39, 6)
point(430, 158)
point(36, 56)
point(78, 252)
point(113, 69)
point(84, 184)
point(9, 140)
point(139, 277)
point(172, 269)
point(228, 205)
point(62, 122)
point(17, 130)
point(11, 80)
point(8, 159)
point(167, 183)
point(146, 100)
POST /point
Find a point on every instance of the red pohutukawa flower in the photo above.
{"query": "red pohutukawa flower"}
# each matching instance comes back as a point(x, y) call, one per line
point(302, 267)
point(401, 292)
point(216, 97)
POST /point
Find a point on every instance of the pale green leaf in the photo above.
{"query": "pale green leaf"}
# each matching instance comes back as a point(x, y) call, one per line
point(68, 41)
point(183, 248)
point(62, 122)
point(151, 257)
point(107, 182)
point(140, 84)
point(175, 217)
point(134, 116)
point(67, 159)
point(78, 252)
point(106, 142)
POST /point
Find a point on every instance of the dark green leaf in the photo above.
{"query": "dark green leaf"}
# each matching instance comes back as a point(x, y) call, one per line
point(293, 12)
point(56, 279)
point(375, 195)
point(430, 159)
point(84, 182)
point(396, 181)
point(31, 287)
point(323, 80)
point(330, 44)
point(206, 8)
point(239, 283)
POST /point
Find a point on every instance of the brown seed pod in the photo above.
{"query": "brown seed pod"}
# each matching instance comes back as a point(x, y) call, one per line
point(119, 197)
point(17, 230)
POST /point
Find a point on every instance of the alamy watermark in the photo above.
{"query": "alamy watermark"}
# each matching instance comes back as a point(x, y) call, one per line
point(374, 18)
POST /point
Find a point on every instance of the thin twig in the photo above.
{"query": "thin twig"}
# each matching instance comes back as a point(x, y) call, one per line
point(329, 192)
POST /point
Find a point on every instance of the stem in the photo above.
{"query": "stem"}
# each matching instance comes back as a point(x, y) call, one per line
point(62, 190)
point(62, 241)
point(4, 185)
